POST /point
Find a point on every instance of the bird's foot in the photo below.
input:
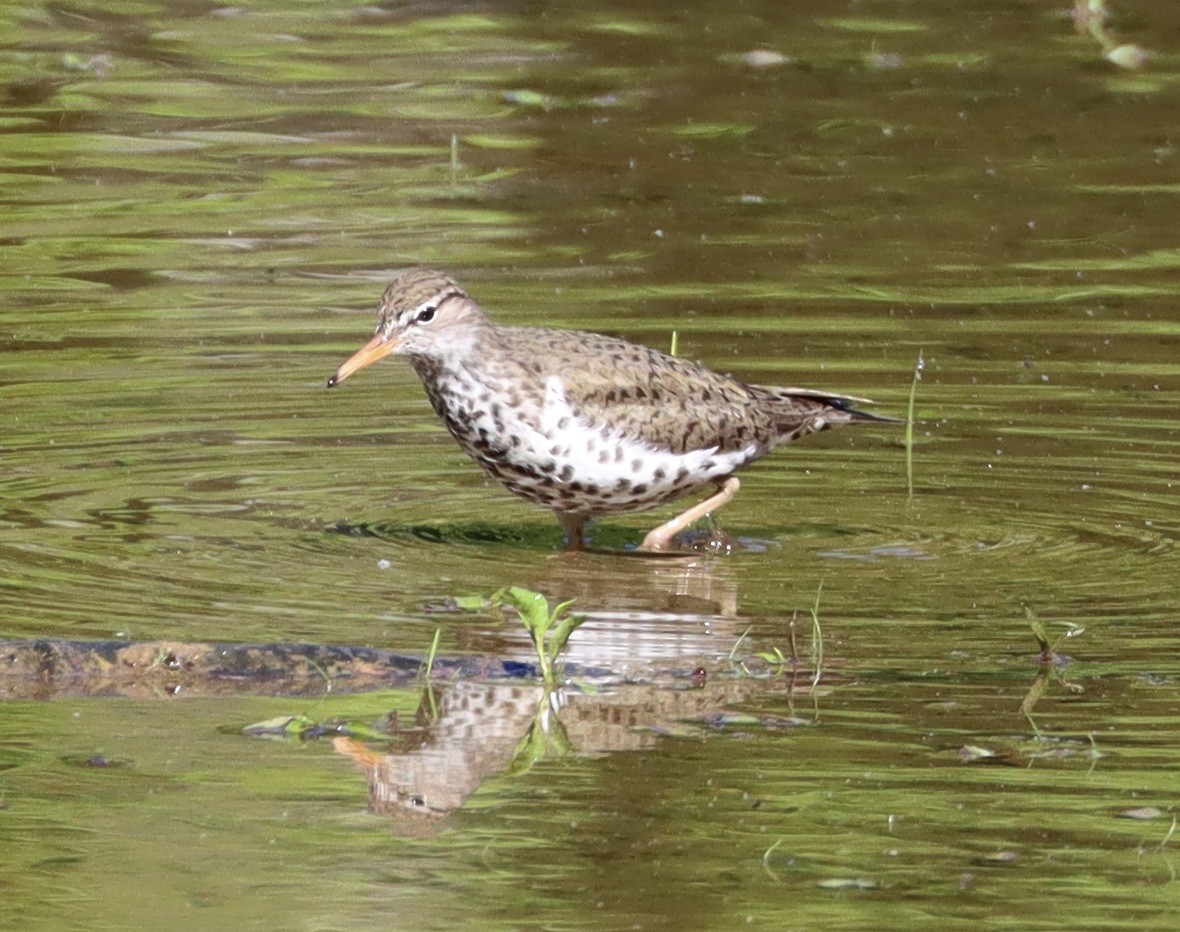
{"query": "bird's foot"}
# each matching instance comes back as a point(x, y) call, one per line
point(660, 539)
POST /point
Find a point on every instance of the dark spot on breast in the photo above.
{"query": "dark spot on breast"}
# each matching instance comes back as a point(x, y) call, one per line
point(640, 489)
point(636, 465)
point(659, 475)
point(603, 456)
point(566, 474)
point(563, 423)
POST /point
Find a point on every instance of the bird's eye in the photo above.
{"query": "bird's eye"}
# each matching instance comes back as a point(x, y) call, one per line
point(426, 315)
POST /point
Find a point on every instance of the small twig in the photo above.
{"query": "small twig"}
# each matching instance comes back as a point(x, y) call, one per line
point(1167, 837)
point(909, 424)
point(737, 643)
point(793, 642)
point(817, 637)
point(321, 671)
point(766, 859)
point(428, 667)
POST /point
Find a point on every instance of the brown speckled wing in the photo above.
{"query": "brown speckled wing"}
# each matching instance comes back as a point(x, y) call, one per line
point(667, 401)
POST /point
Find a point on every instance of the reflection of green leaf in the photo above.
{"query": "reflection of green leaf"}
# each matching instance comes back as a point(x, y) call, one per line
point(627, 27)
point(1039, 684)
point(363, 732)
point(282, 726)
point(546, 737)
point(733, 718)
point(1124, 83)
point(526, 98)
point(302, 728)
point(1163, 259)
point(494, 141)
point(1038, 631)
point(847, 126)
point(711, 130)
point(846, 883)
point(868, 24)
point(960, 61)
point(428, 666)
point(1129, 56)
point(529, 751)
point(1141, 813)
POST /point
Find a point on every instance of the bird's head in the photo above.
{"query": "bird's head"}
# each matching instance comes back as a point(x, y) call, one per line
point(422, 313)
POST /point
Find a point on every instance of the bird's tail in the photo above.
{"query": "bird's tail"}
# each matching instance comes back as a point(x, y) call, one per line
point(802, 411)
point(846, 405)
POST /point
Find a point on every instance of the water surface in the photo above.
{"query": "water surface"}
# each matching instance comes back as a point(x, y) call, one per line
point(201, 206)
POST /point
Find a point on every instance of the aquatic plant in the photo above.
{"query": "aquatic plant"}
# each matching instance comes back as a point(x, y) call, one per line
point(549, 628)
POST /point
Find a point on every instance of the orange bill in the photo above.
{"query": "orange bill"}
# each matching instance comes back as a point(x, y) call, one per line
point(377, 348)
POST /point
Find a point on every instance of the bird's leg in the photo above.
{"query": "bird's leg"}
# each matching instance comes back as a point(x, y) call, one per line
point(661, 537)
point(575, 531)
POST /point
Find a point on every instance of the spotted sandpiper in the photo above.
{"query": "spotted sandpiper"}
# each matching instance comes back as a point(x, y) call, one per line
point(585, 424)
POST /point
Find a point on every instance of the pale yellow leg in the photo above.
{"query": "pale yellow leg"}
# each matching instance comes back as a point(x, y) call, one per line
point(661, 537)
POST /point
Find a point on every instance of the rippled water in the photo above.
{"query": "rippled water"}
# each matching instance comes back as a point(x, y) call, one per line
point(201, 206)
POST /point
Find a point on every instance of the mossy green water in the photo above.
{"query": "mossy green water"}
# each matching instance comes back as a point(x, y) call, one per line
point(201, 207)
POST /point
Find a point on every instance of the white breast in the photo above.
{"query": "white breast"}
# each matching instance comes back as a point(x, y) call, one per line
point(599, 454)
point(561, 460)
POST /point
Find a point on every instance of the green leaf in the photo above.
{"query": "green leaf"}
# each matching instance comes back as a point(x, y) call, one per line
point(533, 608)
point(561, 634)
point(363, 732)
point(283, 726)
